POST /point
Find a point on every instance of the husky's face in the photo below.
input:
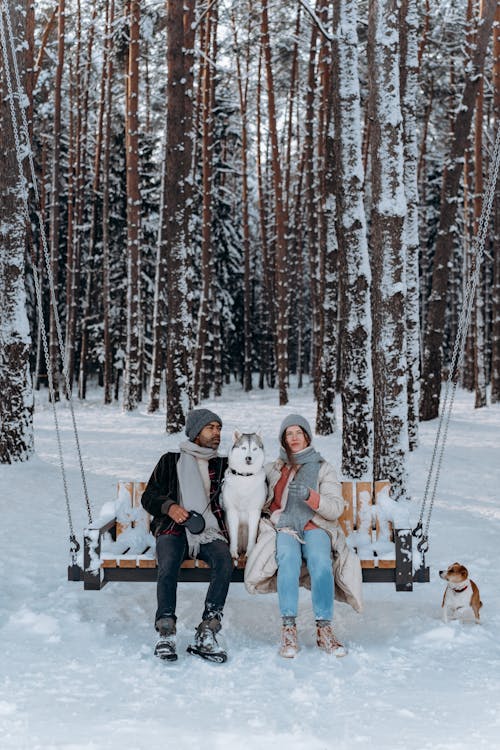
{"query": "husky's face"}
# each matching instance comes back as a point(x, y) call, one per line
point(247, 454)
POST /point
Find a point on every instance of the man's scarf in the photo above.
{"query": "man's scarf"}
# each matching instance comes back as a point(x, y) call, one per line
point(193, 495)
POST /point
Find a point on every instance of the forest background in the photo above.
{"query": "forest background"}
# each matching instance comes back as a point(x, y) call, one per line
point(248, 190)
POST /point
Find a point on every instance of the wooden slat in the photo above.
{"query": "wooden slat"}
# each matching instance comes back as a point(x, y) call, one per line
point(355, 495)
point(124, 488)
point(194, 564)
point(146, 562)
point(380, 485)
point(386, 563)
point(346, 519)
point(145, 518)
point(367, 563)
point(363, 498)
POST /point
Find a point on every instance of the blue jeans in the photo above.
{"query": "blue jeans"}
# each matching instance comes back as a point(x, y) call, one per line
point(317, 553)
point(171, 551)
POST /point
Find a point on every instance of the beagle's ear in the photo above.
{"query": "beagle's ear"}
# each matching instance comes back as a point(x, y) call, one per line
point(236, 436)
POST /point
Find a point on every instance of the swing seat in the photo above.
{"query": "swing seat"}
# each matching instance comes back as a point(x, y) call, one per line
point(123, 549)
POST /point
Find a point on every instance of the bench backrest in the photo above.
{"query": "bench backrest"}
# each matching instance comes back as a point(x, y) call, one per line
point(363, 508)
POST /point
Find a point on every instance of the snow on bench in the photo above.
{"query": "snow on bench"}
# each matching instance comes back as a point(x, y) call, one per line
point(123, 547)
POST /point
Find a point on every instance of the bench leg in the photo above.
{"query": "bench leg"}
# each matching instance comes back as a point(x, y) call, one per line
point(75, 573)
point(93, 576)
point(404, 560)
point(422, 574)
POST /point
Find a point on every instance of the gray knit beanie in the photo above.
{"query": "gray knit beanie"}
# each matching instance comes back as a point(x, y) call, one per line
point(197, 419)
point(295, 419)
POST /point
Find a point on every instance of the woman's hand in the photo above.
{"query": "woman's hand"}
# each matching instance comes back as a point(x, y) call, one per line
point(298, 491)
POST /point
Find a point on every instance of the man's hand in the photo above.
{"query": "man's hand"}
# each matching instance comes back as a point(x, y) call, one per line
point(177, 513)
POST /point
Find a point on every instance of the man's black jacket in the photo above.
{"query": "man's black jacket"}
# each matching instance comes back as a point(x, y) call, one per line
point(162, 491)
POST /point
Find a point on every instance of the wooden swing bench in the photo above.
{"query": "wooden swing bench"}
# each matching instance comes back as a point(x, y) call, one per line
point(385, 552)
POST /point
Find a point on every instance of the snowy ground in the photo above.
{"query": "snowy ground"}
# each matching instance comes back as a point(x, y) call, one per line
point(77, 670)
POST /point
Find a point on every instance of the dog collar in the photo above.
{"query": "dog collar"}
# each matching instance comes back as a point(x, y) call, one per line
point(459, 591)
point(241, 474)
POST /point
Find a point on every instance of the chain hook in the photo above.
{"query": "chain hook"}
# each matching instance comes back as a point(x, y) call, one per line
point(418, 530)
point(423, 544)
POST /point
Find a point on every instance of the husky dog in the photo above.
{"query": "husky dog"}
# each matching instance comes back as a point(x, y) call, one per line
point(244, 491)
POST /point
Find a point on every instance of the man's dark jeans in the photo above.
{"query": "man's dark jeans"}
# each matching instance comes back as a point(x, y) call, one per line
point(171, 551)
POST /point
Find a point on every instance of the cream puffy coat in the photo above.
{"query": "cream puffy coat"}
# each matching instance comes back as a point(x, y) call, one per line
point(261, 566)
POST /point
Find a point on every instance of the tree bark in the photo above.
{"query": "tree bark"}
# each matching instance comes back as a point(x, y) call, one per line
point(106, 293)
point(495, 325)
point(327, 244)
point(434, 326)
point(281, 281)
point(55, 191)
point(177, 169)
point(132, 386)
point(16, 402)
point(388, 249)
point(354, 267)
point(409, 91)
point(206, 327)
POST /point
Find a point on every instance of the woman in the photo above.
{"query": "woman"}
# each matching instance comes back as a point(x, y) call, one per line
point(303, 505)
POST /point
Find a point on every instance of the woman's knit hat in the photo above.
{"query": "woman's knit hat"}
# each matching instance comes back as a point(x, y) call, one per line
point(197, 419)
point(295, 419)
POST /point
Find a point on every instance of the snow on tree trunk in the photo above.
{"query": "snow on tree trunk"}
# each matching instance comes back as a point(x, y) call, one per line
point(16, 410)
point(132, 387)
point(390, 410)
point(206, 330)
point(434, 326)
point(55, 190)
point(409, 93)
point(479, 310)
point(327, 241)
point(311, 192)
point(354, 268)
point(106, 269)
point(495, 323)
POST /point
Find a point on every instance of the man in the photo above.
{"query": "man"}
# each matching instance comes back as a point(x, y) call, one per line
point(180, 484)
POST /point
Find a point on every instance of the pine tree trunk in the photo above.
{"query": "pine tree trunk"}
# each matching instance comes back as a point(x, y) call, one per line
point(132, 386)
point(16, 403)
point(206, 329)
point(54, 192)
point(281, 282)
point(159, 307)
point(70, 259)
point(310, 205)
point(388, 249)
point(177, 169)
point(434, 327)
point(468, 368)
point(495, 332)
point(106, 294)
point(328, 247)
point(243, 83)
point(267, 316)
point(409, 92)
point(82, 76)
point(354, 267)
point(479, 305)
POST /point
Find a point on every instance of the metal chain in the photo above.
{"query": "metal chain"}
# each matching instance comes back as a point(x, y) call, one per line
point(24, 128)
point(458, 350)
